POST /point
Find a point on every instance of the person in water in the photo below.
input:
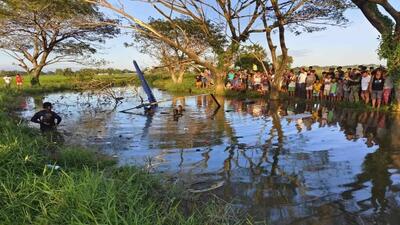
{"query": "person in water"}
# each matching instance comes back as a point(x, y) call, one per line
point(47, 119)
point(178, 112)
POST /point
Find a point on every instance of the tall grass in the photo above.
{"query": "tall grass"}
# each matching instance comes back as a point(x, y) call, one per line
point(88, 189)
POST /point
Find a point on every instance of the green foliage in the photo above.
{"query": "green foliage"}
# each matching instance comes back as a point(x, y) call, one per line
point(288, 63)
point(252, 55)
point(38, 33)
point(389, 49)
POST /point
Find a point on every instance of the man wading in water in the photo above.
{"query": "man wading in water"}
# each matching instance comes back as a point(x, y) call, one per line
point(49, 121)
point(47, 118)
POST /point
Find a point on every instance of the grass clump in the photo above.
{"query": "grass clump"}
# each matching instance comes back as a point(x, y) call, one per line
point(88, 189)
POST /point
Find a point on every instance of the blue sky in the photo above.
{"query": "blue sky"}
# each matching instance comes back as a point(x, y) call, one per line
point(355, 44)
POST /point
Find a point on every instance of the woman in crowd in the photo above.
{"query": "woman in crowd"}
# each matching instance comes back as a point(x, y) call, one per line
point(365, 80)
point(327, 86)
point(376, 88)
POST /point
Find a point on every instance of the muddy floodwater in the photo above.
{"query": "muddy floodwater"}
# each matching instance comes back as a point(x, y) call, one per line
point(284, 163)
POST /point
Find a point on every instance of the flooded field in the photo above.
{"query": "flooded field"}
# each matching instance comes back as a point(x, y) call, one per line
point(285, 163)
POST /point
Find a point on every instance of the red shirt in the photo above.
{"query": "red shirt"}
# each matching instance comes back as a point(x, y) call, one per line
point(18, 79)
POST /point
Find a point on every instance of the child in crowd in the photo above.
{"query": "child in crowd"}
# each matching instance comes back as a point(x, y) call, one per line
point(333, 90)
point(340, 89)
point(317, 89)
point(231, 75)
point(199, 81)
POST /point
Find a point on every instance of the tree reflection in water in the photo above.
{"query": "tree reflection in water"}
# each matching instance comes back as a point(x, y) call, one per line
point(269, 170)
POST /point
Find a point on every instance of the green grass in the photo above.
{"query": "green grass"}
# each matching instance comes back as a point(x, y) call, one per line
point(88, 189)
point(163, 81)
point(55, 83)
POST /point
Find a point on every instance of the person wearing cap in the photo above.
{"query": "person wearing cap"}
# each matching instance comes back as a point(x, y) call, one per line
point(48, 119)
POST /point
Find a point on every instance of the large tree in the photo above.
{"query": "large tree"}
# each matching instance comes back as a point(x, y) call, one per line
point(38, 33)
point(186, 34)
point(386, 19)
point(238, 17)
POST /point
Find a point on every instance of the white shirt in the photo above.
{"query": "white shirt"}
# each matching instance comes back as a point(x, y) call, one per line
point(365, 82)
point(302, 78)
point(7, 80)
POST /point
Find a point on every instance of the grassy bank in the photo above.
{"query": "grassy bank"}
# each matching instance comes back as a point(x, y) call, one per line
point(54, 83)
point(88, 189)
point(163, 81)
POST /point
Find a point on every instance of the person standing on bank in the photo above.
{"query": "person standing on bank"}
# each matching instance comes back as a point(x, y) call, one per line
point(365, 81)
point(7, 80)
point(302, 83)
point(48, 119)
point(376, 88)
point(19, 80)
point(310, 80)
point(354, 82)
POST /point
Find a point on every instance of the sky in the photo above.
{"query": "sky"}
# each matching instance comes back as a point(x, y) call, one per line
point(355, 44)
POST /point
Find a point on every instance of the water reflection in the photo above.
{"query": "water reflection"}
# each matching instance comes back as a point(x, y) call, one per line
point(286, 162)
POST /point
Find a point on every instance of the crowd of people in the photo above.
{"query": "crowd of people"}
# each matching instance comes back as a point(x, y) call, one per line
point(370, 85)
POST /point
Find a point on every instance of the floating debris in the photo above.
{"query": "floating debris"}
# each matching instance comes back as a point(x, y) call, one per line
point(212, 187)
point(55, 167)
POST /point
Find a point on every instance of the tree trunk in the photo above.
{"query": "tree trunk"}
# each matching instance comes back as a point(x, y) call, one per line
point(274, 92)
point(171, 72)
point(35, 75)
point(180, 76)
point(220, 84)
point(394, 68)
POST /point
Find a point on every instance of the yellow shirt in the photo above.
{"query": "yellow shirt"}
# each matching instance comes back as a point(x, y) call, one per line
point(317, 86)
